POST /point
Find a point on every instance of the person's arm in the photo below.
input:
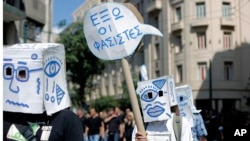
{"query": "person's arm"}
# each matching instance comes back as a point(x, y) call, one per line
point(107, 119)
point(102, 130)
point(122, 129)
point(86, 131)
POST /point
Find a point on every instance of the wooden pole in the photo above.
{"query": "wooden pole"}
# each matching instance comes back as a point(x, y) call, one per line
point(132, 96)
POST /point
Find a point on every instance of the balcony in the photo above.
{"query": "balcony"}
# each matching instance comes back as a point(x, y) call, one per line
point(227, 21)
point(200, 22)
point(177, 26)
point(36, 10)
point(13, 10)
point(173, 2)
point(153, 5)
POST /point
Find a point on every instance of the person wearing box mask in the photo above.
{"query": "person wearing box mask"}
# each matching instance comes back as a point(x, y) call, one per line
point(36, 104)
point(156, 97)
point(188, 110)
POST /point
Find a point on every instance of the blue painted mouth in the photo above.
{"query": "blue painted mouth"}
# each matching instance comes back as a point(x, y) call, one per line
point(155, 111)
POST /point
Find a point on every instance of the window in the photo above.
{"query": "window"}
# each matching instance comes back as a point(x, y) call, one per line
point(227, 40)
point(201, 37)
point(178, 14)
point(226, 9)
point(179, 75)
point(200, 10)
point(202, 71)
point(228, 70)
point(178, 48)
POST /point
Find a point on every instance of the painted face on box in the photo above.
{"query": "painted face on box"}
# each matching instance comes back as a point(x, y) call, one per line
point(22, 81)
point(154, 99)
point(35, 78)
point(184, 102)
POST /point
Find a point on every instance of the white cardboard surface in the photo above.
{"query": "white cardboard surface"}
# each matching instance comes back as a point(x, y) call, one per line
point(155, 107)
point(113, 32)
point(25, 70)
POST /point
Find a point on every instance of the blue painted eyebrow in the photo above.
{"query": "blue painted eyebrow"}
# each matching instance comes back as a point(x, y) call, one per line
point(7, 59)
point(22, 63)
point(38, 69)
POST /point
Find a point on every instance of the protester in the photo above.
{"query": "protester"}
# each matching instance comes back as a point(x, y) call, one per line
point(129, 126)
point(159, 94)
point(80, 114)
point(199, 130)
point(94, 126)
point(35, 97)
point(188, 110)
point(114, 125)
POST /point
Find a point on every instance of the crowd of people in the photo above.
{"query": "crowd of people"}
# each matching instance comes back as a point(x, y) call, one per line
point(115, 124)
point(112, 124)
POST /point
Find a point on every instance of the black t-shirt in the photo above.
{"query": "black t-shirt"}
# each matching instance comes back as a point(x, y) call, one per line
point(66, 126)
point(114, 123)
point(94, 125)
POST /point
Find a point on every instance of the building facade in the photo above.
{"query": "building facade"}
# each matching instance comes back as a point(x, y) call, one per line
point(205, 45)
point(27, 21)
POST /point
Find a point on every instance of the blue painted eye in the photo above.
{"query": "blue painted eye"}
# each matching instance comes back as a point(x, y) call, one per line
point(149, 95)
point(8, 71)
point(181, 98)
point(52, 68)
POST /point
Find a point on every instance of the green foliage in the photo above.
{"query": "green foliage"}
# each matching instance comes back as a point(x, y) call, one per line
point(104, 102)
point(79, 60)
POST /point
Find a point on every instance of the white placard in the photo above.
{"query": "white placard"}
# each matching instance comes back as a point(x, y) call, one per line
point(113, 32)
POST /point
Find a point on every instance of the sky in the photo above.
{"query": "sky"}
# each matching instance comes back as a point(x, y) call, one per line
point(63, 10)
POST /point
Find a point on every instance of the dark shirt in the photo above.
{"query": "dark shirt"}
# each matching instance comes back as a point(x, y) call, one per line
point(83, 121)
point(128, 131)
point(94, 125)
point(114, 124)
point(65, 124)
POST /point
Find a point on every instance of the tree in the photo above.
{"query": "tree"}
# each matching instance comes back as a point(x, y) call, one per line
point(104, 102)
point(82, 64)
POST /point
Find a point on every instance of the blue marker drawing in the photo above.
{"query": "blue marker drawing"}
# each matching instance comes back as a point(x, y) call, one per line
point(52, 68)
point(105, 17)
point(168, 115)
point(12, 89)
point(47, 97)
point(34, 56)
point(38, 85)
point(181, 99)
point(53, 88)
point(158, 102)
point(116, 12)
point(159, 83)
point(17, 103)
point(52, 99)
point(155, 111)
point(144, 96)
point(59, 94)
point(7, 59)
point(22, 63)
point(148, 105)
